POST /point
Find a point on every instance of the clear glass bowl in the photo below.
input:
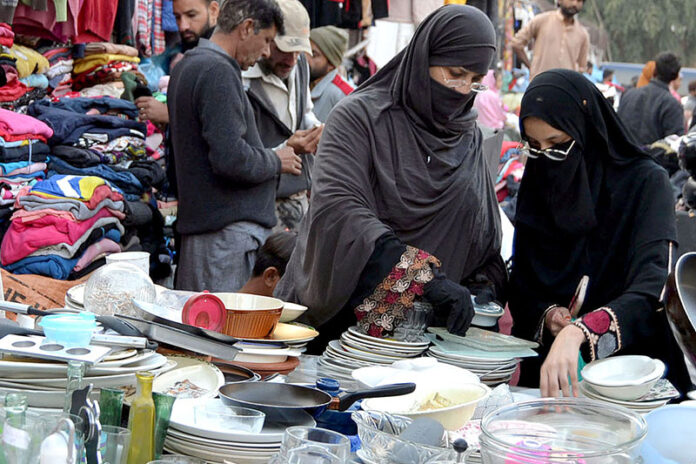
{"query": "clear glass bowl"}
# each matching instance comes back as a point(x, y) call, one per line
point(379, 432)
point(229, 417)
point(568, 430)
point(111, 289)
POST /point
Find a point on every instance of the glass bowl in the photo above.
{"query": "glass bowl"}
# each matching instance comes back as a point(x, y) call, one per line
point(111, 289)
point(229, 417)
point(568, 430)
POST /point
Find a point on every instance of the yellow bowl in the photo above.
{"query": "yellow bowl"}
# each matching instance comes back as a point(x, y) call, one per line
point(466, 396)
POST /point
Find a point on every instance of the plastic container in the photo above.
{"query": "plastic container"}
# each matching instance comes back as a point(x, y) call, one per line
point(69, 330)
point(113, 287)
point(379, 434)
point(569, 430)
point(138, 258)
point(229, 417)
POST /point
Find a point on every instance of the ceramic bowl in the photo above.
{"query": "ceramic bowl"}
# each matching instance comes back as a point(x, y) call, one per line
point(670, 437)
point(465, 397)
point(291, 311)
point(250, 316)
point(623, 377)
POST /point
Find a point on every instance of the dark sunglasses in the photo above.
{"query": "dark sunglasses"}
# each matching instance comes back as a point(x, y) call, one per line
point(554, 153)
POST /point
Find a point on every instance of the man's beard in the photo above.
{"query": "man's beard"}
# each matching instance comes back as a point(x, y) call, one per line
point(316, 74)
point(193, 43)
point(569, 12)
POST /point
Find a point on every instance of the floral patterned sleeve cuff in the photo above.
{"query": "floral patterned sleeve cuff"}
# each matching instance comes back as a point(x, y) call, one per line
point(602, 331)
point(379, 313)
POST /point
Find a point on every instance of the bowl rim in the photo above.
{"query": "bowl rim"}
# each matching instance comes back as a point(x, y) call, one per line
point(657, 372)
point(566, 402)
point(267, 301)
point(486, 392)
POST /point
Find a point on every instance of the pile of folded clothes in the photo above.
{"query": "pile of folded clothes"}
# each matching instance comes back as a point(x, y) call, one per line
point(60, 73)
point(63, 226)
point(103, 63)
point(23, 77)
point(23, 157)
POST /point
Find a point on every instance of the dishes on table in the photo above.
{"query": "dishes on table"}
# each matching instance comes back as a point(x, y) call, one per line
point(492, 370)
point(670, 437)
point(291, 311)
point(192, 378)
point(355, 350)
point(623, 377)
point(660, 394)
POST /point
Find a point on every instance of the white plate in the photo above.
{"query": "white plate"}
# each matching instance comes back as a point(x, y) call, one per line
point(147, 364)
point(472, 365)
point(44, 399)
point(590, 393)
point(335, 345)
point(368, 352)
point(76, 294)
point(191, 445)
point(359, 344)
point(233, 444)
point(387, 341)
point(182, 419)
point(200, 373)
point(401, 349)
point(122, 354)
point(212, 456)
point(493, 359)
point(42, 369)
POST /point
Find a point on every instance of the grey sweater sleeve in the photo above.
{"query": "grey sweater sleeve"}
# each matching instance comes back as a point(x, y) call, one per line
point(224, 119)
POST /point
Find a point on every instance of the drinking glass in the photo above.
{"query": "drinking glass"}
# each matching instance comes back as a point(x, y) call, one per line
point(412, 328)
point(114, 444)
point(311, 445)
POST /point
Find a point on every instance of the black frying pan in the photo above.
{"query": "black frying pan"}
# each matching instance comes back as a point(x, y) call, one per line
point(290, 404)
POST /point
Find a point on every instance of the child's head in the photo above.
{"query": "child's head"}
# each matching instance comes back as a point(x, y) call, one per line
point(271, 260)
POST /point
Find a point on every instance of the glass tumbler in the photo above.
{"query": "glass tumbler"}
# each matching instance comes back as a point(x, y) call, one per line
point(310, 445)
point(413, 327)
point(115, 442)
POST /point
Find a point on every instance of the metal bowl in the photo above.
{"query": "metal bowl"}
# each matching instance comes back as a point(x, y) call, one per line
point(681, 304)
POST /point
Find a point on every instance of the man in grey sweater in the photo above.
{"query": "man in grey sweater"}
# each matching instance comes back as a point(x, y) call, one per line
point(226, 179)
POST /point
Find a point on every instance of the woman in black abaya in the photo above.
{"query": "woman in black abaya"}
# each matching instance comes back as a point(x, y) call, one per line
point(402, 204)
point(591, 203)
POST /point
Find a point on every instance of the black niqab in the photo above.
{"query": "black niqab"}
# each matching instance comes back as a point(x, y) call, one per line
point(387, 164)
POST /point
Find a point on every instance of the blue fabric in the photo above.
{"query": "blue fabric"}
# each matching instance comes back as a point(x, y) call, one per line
point(38, 81)
point(18, 143)
point(83, 104)
point(48, 265)
point(168, 19)
point(68, 126)
point(9, 167)
point(124, 180)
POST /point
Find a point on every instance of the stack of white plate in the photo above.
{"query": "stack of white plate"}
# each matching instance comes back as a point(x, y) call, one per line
point(492, 370)
point(192, 436)
point(44, 382)
point(639, 406)
point(356, 349)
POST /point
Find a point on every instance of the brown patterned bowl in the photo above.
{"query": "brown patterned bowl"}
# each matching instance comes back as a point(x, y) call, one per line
point(250, 316)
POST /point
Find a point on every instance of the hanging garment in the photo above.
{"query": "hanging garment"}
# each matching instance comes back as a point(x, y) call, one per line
point(149, 35)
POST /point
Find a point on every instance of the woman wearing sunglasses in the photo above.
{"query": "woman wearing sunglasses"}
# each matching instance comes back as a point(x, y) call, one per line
point(402, 206)
point(591, 203)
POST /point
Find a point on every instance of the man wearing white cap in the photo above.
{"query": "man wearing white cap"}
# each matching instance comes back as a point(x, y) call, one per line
point(278, 89)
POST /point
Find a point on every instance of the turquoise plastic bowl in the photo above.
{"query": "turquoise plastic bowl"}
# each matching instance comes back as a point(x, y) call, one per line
point(69, 330)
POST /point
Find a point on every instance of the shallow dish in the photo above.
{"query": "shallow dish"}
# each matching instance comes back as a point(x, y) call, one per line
point(623, 377)
point(291, 311)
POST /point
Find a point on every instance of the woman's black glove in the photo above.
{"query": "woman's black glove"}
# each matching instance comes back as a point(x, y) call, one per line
point(452, 306)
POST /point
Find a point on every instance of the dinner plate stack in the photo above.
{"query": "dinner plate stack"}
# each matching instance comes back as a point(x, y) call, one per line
point(658, 396)
point(491, 370)
point(44, 382)
point(190, 435)
point(356, 349)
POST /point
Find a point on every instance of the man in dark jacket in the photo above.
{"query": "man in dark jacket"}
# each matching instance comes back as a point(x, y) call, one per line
point(278, 89)
point(226, 179)
point(650, 112)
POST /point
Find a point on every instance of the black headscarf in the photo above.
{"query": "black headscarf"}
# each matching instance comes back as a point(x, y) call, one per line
point(563, 195)
point(387, 164)
point(606, 212)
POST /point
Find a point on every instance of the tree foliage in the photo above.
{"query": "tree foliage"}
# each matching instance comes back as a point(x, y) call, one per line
point(640, 29)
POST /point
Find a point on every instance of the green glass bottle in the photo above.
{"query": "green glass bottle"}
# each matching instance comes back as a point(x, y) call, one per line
point(16, 440)
point(76, 370)
point(141, 421)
